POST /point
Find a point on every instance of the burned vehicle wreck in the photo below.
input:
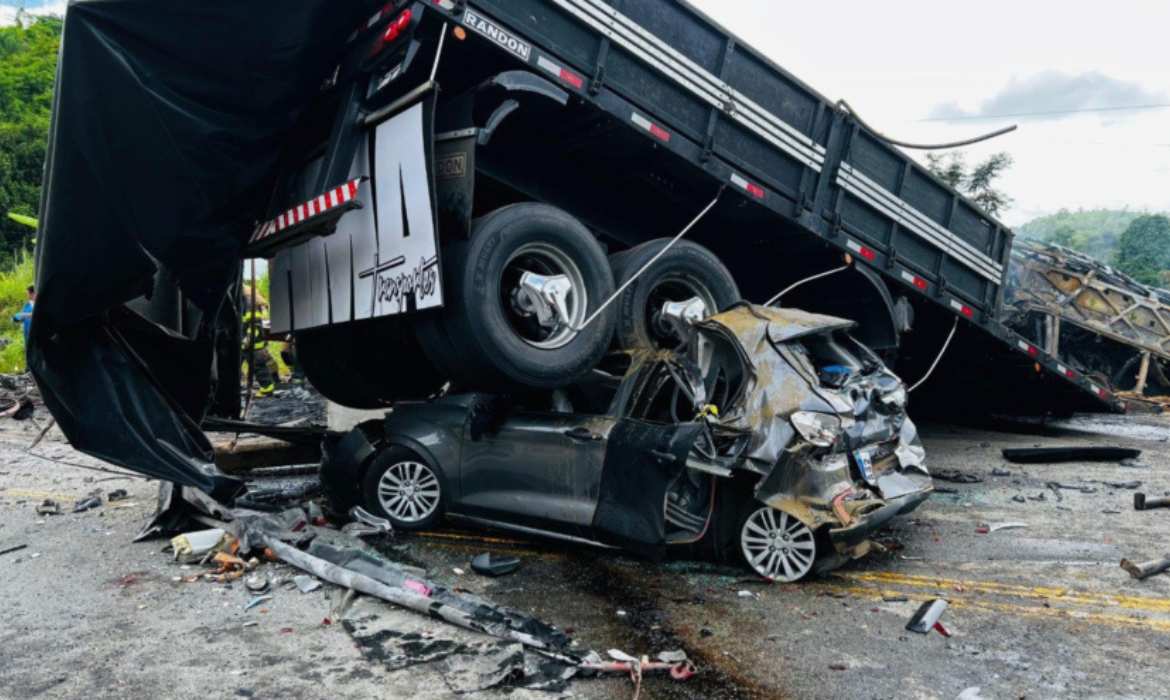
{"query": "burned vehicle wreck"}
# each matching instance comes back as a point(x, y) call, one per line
point(770, 435)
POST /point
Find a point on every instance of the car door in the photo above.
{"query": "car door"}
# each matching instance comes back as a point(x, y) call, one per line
point(534, 469)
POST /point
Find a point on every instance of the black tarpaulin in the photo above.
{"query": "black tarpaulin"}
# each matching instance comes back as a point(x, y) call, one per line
point(169, 122)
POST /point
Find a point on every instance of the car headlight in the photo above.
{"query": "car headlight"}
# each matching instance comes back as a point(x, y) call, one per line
point(896, 398)
point(820, 429)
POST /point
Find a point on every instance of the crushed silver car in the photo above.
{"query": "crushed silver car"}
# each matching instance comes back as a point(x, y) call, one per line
point(770, 434)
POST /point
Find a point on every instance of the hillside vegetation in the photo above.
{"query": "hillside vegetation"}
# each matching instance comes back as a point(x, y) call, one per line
point(1136, 243)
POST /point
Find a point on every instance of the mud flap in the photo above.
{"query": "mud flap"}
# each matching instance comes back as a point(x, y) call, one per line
point(641, 462)
point(383, 259)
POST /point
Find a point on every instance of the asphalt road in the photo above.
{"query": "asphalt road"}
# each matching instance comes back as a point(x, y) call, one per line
point(1036, 612)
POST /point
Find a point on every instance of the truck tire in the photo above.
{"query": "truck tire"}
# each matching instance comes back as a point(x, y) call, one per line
point(686, 271)
point(488, 337)
point(367, 364)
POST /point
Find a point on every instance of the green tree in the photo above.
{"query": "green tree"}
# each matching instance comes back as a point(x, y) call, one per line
point(1143, 251)
point(28, 65)
point(1093, 232)
point(977, 182)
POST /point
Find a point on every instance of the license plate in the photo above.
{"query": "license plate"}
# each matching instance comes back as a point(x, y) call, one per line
point(864, 459)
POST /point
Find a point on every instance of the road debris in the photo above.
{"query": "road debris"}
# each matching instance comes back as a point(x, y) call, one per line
point(365, 523)
point(257, 601)
point(49, 507)
point(1148, 569)
point(487, 565)
point(1127, 485)
point(955, 476)
point(91, 501)
point(996, 527)
point(1000, 472)
point(1141, 502)
point(1134, 464)
point(1059, 455)
point(306, 584)
point(10, 550)
point(117, 495)
point(193, 546)
point(927, 616)
point(257, 583)
point(637, 668)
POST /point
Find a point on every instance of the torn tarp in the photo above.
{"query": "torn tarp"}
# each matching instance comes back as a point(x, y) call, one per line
point(168, 126)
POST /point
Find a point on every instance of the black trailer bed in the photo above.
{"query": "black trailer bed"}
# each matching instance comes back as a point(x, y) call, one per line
point(684, 84)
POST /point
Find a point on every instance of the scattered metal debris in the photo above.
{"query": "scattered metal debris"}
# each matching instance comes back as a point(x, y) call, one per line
point(306, 584)
point(927, 616)
point(93, 500)
point(257, 583)
point(10, 550)
point(1005, 526)
point(955, 476)
point(1148, 569)
point(1059, 455)
point(1000, 472)
point(365, 523)
point(1127, 485)
point(117, 495)
point(488, 565)
point(49, 507)
point(1142, 502)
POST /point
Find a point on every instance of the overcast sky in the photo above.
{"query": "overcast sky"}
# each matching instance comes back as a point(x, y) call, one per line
point(901, 63)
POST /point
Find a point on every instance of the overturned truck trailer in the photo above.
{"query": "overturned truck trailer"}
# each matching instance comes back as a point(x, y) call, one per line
point(1099, 320)
point(452, 191)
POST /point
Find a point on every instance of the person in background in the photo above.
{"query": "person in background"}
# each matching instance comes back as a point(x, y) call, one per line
point(255, 339)
point(26, 313)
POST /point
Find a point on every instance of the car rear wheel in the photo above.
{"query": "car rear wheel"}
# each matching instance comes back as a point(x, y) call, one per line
point(403, 488)
point(687, 274)
point(516, 293)
point(776, 545)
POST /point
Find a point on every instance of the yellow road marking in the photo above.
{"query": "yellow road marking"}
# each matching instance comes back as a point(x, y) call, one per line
point(470, 538)
point(37, 494)
point(1021, 610)
point(1056, 594)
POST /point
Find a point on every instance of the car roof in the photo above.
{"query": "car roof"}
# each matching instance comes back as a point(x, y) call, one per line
point(747, 322)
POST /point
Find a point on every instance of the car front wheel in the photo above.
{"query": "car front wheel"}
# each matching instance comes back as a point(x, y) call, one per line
point(403, 488)
point(776, 545)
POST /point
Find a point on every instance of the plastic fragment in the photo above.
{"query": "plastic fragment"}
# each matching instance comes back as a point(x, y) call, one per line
point(256, 601)
point(306, 584)
point(488, 565)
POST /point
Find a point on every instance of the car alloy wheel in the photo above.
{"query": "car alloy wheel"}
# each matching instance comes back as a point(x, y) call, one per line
point(409, 491)
point(777, 545)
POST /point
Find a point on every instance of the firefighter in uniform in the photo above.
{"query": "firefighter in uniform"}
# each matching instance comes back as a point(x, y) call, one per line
point(266, 371)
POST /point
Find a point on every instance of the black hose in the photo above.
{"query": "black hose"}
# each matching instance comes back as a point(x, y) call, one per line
point(842, 104)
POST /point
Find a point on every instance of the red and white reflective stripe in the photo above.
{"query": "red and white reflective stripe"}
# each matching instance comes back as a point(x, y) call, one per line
point(650, 126)
point(314, 207)
point(1099, 391)
point(916, 281)
point(1066, 371)
point(861, 250)
point(749, 187)
point(560, 72)
point(962, 308)
point(1030, 349)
